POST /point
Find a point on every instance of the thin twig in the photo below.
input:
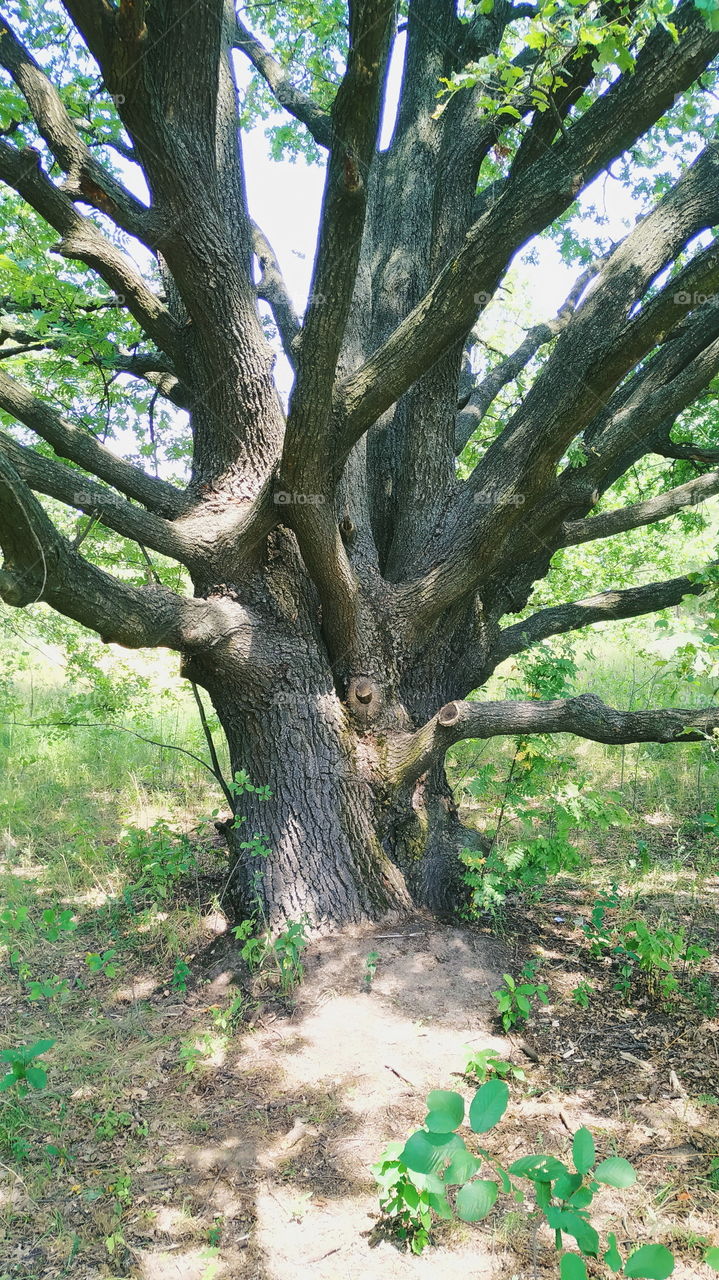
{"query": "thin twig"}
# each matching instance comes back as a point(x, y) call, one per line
point(121, 728)
point(217, 769)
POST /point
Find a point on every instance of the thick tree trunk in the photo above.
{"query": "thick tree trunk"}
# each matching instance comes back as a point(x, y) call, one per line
point(345, 843)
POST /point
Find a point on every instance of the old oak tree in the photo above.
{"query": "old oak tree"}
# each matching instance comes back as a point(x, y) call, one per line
point(353, 563)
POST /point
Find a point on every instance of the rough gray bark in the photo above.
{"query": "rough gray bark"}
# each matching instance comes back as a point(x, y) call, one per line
point(348, 590)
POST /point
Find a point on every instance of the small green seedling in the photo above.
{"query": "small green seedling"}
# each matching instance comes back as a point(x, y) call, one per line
point(415, 1179)
point(231, 1017)
point(289, 947)
point(514, 1000)
point(483, 1064)
point(370, 968)
point(103, 963)
point(180, 975)
point(48, 989)
point(55, 923)
point(24, 1073)
point(254, 949)
point(582, 994)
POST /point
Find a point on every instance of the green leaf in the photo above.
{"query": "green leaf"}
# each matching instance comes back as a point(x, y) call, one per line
point(572, 1267)
point(615, 1172)
point(36, 1077)
point(40, 1046)
point(476, 1199)
point(445, 1111)
point(488, 1105)
point(712, 1259)
point(428, 1152)
point(566, 1185)
point(613, 1257)
point(7, 1081)
point(582, 1198)
point(461, 1168)
point(583, 1152)
point(440, 1206)
point(410, 1195)
point(576, 1226)
point(539, 1168)
point(651, 1262)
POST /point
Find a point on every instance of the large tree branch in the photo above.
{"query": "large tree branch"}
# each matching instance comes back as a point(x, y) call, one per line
point(88, 180)
point(640, 411)
point(41, 565)
point(493, 646)
point(84, 242)
point(273, 290)
point(525, 205)
point(586, 716)
point(610, 606)
point(297, 103)
point(514, 485)
point(486, 390)
point(307, 467)
point(686, 452)
point(80, 447)
point(641, 513)
point(55, 480)
point(624, 432)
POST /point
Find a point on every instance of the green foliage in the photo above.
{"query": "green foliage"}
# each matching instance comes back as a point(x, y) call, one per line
point(640, 951)
point(194, 1052)
point(540, 802)
point(515, 1000)
point(158, 858)
point(484, 1064)
point(24, 1073)
point(436, 1173)
point(50, 989)
point(103, 962)
point(231, 1017)
point(108, 1124)
point(285, 950)
point(180, 975)
point(705, 995)
point(370, 968)
point(582, 994)
point(18, 926)
point(254, 947)
point(56, 923)
point(288, 948)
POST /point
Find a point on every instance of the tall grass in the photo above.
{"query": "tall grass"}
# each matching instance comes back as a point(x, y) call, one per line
point(67, 794)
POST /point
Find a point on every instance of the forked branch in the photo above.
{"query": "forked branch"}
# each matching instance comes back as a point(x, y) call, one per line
point(298, 104)
point(585, 716)
point(79, 446)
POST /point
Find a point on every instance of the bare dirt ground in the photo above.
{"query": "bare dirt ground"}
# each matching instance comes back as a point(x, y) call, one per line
point(254, 1165)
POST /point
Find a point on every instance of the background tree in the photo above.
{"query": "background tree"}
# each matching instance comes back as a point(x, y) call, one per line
point(346, 567)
